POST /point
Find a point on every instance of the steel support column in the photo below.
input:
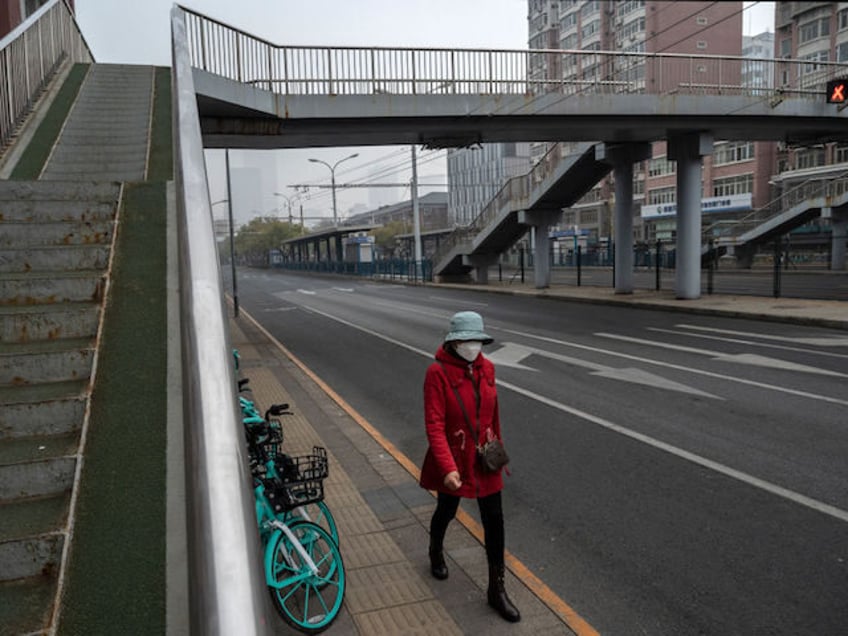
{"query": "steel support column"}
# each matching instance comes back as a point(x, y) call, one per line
point(622, 157)
point(838, 236)
point(541, 221)
point(687, 149)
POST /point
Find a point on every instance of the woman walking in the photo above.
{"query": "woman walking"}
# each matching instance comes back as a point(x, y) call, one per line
point(461, 416)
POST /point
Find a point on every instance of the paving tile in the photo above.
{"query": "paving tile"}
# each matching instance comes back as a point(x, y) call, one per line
point(419, 619)
point(384, 586)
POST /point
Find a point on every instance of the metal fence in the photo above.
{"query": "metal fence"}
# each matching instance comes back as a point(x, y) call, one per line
point(29, 57)
point(316, 70)
point(227, 583)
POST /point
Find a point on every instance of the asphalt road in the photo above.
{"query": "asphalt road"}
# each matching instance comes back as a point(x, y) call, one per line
point(671, 473)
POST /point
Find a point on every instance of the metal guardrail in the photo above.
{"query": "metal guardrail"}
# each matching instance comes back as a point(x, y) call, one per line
point(515, 194)
point(227, 593)
point(830, 187)
point(316, 70)
point(29, 57)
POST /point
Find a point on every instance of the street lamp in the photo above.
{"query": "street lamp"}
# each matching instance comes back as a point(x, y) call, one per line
point(288, 199)
point(333, 181)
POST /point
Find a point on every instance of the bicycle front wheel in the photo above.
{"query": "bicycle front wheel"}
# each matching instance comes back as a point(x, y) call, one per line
point(317, 512)
point(307, 586)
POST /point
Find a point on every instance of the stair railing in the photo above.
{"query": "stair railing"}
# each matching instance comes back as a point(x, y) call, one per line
point(831, 187)
point(228, 595)
point(29, 57)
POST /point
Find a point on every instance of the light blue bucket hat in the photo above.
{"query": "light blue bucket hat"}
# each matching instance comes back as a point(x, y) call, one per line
point(467, 325)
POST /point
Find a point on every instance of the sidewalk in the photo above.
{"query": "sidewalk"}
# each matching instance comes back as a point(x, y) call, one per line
point(383, 518)
point(832, 314)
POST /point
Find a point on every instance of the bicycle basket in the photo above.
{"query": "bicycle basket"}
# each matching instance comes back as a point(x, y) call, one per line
point(300, 482)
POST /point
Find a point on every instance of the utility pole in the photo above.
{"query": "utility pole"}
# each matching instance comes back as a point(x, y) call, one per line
point(416, 216)
point(232, 231)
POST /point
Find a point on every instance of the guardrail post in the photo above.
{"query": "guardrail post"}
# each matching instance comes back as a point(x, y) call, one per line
point(777, 253)
point(657, 264)
point(579, 263)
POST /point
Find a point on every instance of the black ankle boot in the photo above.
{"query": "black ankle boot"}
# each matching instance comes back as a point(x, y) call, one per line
point(438, 567)
point(498, 598)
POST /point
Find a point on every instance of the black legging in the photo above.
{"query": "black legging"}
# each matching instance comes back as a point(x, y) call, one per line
point(491, 514)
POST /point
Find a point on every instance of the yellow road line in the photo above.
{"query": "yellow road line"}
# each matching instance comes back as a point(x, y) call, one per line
point(545, 594)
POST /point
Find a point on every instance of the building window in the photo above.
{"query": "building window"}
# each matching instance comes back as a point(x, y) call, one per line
point(590, 29)
point(662, 195)
point(842, 52)
point(632, 28)
point(732, 151)
point(786, 47)
point(661, 166)
point(701, 44)
point(809, 158)
point(589, 8)
point(842, 19)
point(623, 8)
point(840, 154)
point(739, 184)
point(701, 20)
point(812, 30)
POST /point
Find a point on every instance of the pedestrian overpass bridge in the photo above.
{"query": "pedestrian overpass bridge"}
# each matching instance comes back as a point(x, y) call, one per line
point(255, 94)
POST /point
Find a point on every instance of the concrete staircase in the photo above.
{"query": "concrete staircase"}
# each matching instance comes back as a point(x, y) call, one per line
point(54, 258)
point(56, 238)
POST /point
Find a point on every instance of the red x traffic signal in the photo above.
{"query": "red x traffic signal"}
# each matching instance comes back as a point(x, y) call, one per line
point(837, 91)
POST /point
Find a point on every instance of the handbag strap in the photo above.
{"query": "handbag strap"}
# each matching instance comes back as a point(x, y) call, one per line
point(462, 406)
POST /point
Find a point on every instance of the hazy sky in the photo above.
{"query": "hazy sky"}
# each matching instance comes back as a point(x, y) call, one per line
point(138, 32)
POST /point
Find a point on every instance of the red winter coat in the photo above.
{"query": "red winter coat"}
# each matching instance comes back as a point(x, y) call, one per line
point(451, 447)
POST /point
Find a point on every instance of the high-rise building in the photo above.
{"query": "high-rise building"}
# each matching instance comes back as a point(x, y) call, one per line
point(475, 175)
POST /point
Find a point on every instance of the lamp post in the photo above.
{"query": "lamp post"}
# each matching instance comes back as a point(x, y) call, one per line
point(333, 181)
point(288, 199)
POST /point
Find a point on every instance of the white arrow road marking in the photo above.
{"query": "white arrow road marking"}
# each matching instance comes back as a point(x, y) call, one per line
point(774, 489)
point(739, 358)
point(747, 342)
point(680, 367)
point(511, 354)
point(835, 341)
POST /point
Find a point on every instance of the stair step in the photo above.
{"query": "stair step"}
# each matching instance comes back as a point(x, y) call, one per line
point(85, 191)
point(54, 258)
point(45, 361)
point(24, 211)
point(34, 516)
point(30, 235)
point(51, 411)
point(26, 449)
point(26, 604)
point(31, 556)
point(27, 395)
point(51, 287)
point(36, 478)
point(26, 323)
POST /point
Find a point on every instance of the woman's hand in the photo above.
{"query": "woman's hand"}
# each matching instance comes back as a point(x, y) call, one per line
point(452, 481)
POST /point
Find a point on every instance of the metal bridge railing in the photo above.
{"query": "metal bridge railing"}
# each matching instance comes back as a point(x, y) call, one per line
point(315, 70)
point(30, 55)
point(832, 187)
point(227, 582)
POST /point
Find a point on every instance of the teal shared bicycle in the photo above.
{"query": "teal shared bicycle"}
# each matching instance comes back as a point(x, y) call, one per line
point(303, 566)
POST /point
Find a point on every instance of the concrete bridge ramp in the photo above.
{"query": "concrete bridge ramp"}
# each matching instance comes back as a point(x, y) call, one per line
point(54, 258)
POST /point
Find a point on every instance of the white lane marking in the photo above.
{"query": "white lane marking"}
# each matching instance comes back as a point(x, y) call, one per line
point(344, 289)
point(455, 302)
point(767, 486)
point(308, 292)
point(511, 354)
point(748, 342)
point(718, 356)
point(669, 365)
point(835, 341)
point(280, 308)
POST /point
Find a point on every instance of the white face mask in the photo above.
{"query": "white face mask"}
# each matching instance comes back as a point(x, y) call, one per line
point(469, 350)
